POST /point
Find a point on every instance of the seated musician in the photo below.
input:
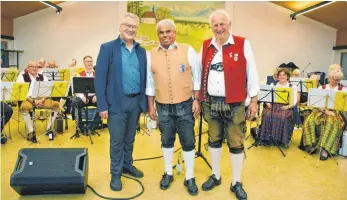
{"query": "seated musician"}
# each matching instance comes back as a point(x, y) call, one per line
point(296, 73)
point(280, 129)
point(81, 100)
point(51, 64)
point(31, 75)
point(330, 122)
point(73, 63)
point(272, 80)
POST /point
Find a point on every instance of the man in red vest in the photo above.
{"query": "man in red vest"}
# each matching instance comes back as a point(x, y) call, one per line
point(228, 75)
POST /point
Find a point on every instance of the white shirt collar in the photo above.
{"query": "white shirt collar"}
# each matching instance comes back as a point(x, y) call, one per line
point(172, 46)
point(229, 41)
point(32, 77)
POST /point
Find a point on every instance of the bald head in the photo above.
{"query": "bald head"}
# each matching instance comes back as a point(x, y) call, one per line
point(52, 64)
point(42, 63)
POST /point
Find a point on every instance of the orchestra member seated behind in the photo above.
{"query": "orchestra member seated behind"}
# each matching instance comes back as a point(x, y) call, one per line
point(328, 122)
point(30, 76)
point(280, 128)
point(81, 100)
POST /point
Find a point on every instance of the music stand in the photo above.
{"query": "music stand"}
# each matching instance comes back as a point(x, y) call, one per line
point(12, 91)
point(48, 89)
point(83, 85)
point(9, 74)
point(303, 84)
point(327, 99)
point(55, 74)
point(273, 94)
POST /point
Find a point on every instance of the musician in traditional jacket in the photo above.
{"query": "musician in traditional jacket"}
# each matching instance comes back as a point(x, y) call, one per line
point(81, 100)
point(328, 122)
point(30, 76)
point(228, 75)
point(278, 119)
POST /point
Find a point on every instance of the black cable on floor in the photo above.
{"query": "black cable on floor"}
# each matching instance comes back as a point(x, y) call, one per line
point(157, 157)
point(111, 198)
point(142, 187)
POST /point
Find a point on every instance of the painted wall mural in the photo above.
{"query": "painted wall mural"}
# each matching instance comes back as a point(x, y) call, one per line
point(191, 19)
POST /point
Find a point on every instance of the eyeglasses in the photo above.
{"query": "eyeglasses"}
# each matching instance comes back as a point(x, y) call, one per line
point(34, 66)
point(130, 26)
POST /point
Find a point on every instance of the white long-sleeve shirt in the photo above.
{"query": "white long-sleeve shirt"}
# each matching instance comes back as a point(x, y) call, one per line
point(20, 79)
point(216, 83)
point(193, 62)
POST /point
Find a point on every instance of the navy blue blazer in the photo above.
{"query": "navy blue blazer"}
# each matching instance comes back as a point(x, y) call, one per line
point(108, 77)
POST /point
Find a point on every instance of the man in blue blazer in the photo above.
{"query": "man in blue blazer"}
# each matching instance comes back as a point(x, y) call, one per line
point(120, 84)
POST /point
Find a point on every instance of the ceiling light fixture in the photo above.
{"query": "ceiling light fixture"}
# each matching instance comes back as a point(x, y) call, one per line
point(58, 9)
point(309, 9)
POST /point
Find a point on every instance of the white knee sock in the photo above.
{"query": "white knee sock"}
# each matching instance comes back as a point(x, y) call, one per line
point(236, 165)
point(168, 156)
point(62, 103)
point(28, 122)
point(215, 159)
point(189, 158)
point(51, 119)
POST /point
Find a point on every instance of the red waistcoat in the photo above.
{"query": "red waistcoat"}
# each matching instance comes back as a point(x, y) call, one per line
point(83, 73)
point(234, 63)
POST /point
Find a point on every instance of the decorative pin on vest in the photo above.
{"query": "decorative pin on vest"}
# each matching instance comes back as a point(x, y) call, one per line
point(181, 67)
point(236, 57)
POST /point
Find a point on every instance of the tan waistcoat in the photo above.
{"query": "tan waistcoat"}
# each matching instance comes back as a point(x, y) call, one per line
point(172, 74)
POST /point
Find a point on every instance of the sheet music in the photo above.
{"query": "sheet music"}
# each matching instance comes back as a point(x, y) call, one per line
point(305, 82)
point(9, 74)
point(321, 98)
point(49, 89)
point(12, 91)
point(283, 95)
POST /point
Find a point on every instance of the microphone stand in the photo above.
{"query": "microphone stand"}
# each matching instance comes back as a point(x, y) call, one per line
point(303, 71)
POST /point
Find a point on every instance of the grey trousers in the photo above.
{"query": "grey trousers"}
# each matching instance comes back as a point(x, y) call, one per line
point(122, 128)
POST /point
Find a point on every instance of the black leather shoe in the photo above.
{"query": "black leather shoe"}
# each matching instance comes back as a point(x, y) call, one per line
point(132, 171)
point(32, 137)
point(191, 186)
point(211, 183)
point(116, 183)
point(239, 191)
point(166, 181)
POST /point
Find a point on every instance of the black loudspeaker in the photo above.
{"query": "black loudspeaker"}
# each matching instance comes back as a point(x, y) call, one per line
point(50, 171)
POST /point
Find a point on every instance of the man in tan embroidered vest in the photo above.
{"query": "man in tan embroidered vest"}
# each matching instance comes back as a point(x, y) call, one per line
point(173, 79)
point(228, 75)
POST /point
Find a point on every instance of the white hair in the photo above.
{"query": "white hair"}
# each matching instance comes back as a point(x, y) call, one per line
point(130, 15)
point(335, 70)
point(219, 12)
point(166, 22)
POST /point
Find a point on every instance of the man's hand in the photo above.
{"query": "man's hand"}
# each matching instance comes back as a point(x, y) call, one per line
point(104, 114)
point(38, 103)
point(94, 99)
point(196, 108)
point(152, 112)
point(252, 110)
